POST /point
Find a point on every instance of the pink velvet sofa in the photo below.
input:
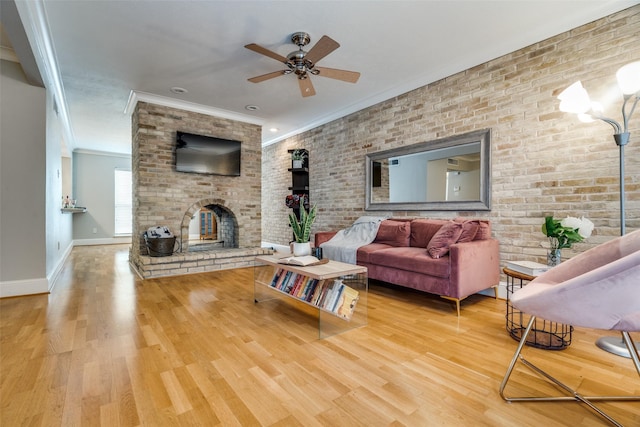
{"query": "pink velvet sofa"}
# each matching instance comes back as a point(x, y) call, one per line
point(449, 258)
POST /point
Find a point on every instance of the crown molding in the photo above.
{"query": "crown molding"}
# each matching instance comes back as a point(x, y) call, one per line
point(136, 96)
point(36, 26)
point(101, 153)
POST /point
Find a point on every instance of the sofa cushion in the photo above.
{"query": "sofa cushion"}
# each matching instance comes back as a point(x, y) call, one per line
point(393, 233)
point(411, 259)
point(364, 252)
point(422, 230)
point(469, 231)
point(447, 235)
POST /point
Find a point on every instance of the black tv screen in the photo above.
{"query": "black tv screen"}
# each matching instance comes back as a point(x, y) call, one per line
point(207, 154)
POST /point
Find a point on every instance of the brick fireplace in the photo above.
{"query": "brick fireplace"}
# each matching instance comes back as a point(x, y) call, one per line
point(164, 197)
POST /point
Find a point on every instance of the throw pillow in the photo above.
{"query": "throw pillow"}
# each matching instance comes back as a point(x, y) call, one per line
point(446, 236)
point(484, 229)
point(394, 233)
point(469, 231)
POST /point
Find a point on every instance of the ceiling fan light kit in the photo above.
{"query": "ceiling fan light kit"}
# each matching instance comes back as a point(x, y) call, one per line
point(302, 63)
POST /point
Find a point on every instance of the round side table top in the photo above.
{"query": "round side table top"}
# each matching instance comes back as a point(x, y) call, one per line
point(517, 274)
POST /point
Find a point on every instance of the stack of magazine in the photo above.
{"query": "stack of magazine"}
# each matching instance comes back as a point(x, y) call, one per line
point(528, 267)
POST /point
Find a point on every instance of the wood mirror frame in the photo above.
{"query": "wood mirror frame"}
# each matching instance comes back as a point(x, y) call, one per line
point(474, 146)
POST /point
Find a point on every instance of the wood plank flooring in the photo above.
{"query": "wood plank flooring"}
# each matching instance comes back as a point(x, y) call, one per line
point(108, 349)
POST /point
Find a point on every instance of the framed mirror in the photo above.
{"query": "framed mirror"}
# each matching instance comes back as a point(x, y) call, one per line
point(449, 174)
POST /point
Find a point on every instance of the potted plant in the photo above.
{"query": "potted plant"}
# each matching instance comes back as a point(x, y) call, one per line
point(302, 230)
point(298, 156)
point(563, 234)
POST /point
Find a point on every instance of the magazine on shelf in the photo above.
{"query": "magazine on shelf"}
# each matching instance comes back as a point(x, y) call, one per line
point(528, 267)
point(302, 261)
point(346, 304)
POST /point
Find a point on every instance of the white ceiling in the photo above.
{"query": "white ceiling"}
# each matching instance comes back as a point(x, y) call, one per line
point(101, 51)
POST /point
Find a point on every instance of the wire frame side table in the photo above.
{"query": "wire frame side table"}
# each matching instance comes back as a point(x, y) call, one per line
point(544, 334)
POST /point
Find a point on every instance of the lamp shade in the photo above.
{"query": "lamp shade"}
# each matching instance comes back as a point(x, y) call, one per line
point(629, 78)
point(575, 99)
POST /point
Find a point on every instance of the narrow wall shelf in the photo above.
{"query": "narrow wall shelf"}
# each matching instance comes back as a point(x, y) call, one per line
point(73, 210)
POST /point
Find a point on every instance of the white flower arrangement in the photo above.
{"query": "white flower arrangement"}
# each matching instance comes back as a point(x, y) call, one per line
point(562, 234)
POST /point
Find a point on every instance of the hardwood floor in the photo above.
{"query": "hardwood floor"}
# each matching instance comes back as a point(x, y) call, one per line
point(108, 349)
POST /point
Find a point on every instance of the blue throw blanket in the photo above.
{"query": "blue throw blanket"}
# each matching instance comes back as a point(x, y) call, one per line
point(344, 245)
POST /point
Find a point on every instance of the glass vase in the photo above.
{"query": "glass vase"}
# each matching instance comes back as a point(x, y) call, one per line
point(553, 257)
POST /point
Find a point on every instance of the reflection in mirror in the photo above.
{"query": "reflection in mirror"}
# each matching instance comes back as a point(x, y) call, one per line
point(447, 174)
point(66, 179)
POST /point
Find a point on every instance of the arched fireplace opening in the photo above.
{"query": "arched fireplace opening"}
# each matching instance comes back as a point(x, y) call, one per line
point(220, 234)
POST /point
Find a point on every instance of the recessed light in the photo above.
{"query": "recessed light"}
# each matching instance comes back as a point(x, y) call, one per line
point(252, 107)
point(274, 129)
point(178, 90)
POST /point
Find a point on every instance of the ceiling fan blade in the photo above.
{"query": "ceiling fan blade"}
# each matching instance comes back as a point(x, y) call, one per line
point(324, 47)
point(344, 75)
point(266, 52)
point(306, 87)
point(258, 79)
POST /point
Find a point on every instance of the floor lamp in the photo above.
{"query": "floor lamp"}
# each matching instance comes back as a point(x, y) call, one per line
point(575, 99)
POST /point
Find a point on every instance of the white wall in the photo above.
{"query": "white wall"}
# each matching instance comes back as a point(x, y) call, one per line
point(23, 267)
point(93, 188)
point(58, 225)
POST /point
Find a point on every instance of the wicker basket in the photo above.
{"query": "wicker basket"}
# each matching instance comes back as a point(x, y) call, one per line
point(159, 246)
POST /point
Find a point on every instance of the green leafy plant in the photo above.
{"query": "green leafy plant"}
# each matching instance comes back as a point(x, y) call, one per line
point(302, 228)
point(564, 233)
point(298, 154)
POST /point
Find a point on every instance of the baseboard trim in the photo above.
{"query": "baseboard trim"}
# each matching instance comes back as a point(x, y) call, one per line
point(105, 241)
point(502, 291)
point(18, 288)
point(275, 246)
point(53, 277)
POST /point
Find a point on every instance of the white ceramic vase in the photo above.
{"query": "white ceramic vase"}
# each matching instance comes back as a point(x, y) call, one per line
point(301, 249)
point(297, 164)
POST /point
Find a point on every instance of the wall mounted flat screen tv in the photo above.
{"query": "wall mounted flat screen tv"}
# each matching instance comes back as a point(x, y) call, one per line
point(207, 154)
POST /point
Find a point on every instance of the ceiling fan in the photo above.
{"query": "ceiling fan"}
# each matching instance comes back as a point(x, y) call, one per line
point(303, 64)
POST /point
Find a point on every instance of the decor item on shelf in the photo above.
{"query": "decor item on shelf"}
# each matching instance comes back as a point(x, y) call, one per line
point(68, 203)
point(302, 230)
point(575, 99)
point(297, 157)
point(564, 233)
point(296, 200)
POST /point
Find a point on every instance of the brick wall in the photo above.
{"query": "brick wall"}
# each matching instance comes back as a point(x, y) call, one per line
point(543, 161)
point(165, 197)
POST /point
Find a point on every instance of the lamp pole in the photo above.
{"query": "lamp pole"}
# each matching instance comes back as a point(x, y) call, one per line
point(622, 139)
point(575, 99)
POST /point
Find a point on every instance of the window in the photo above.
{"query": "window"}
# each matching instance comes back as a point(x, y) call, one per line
point(123, 200)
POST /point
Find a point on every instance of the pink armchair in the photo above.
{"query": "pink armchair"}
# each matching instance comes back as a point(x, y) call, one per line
point(598, 289)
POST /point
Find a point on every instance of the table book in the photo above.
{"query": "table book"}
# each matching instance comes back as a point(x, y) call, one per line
point(528, 267)
point(302, 261)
